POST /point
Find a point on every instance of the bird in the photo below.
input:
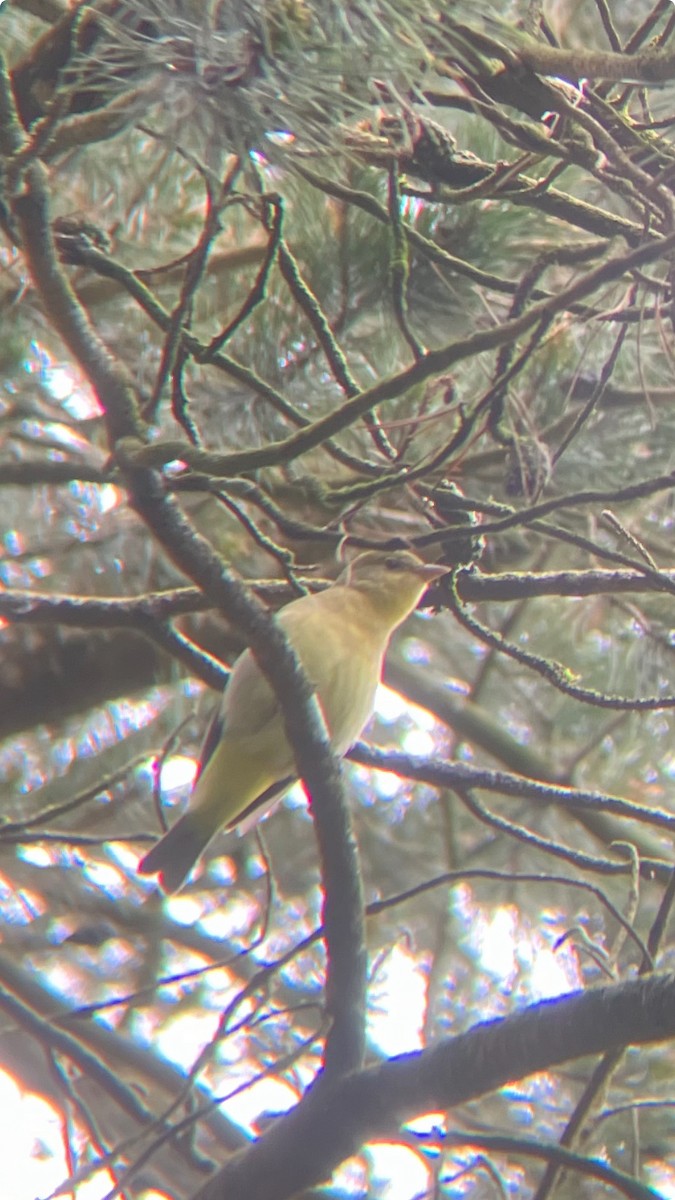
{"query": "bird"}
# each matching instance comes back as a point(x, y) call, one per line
point(340, 636)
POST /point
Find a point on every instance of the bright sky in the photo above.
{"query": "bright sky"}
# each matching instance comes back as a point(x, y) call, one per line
point(31, 1147)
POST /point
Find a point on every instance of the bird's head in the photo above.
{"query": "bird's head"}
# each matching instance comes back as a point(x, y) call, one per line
point(393, 582)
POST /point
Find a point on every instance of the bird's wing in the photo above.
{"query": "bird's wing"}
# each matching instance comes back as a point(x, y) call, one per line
point(262, 804)
point(213, 735)
point(248, 703)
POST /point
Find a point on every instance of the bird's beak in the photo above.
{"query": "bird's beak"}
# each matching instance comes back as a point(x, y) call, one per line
point(431, 571)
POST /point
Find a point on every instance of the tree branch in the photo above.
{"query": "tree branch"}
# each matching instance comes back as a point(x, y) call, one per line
point(333, 1121)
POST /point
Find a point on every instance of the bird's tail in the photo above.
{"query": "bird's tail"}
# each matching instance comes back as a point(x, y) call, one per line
point(175, 854)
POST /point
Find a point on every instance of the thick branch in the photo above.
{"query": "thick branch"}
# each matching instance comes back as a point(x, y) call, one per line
point(332, 1122)
point(343, 916)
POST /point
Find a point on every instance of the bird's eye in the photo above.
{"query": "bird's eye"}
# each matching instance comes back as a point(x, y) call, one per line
point(393, 563)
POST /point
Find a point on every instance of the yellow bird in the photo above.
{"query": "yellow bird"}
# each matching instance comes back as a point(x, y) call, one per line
point(340, 636)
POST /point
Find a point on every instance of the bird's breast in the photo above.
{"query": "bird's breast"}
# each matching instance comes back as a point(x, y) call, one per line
point(345, 668)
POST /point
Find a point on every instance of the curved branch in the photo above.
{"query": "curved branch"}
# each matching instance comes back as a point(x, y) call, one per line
point(333, 1121)
point(343, 915)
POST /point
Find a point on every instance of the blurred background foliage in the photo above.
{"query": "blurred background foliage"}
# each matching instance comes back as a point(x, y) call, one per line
point(382, 176)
